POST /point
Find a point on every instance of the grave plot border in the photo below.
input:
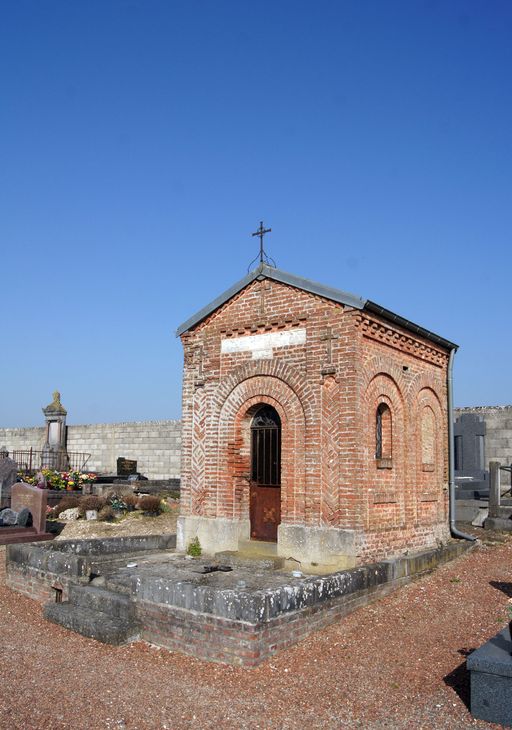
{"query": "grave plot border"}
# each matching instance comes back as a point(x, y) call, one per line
point(231, 626)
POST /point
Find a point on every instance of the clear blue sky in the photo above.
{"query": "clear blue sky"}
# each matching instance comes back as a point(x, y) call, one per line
point(143, 141)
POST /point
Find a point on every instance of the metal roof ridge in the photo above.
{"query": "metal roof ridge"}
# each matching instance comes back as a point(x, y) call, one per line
point(300, 282)
point(264, 271)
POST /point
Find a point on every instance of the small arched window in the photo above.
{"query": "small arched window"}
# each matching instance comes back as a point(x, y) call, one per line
point(383, 433)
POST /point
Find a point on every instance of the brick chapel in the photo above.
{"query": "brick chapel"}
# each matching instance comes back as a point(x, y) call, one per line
point(314, 419)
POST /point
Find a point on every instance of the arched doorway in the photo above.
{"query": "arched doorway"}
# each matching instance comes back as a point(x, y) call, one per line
point(265, 487)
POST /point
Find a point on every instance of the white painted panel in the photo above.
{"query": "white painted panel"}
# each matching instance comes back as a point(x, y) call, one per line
point(262, 354)
point(264, 342)
point(54, 433)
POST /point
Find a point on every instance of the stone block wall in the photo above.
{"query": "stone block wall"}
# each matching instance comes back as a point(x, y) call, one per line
point(498, 435)
point(156, 445)
point(22, 439)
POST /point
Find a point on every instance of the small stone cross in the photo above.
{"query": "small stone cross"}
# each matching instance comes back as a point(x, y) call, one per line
point(329, 337)
point(201, 353)
point(264, 287)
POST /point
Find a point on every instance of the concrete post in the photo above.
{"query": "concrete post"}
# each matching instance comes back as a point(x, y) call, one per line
point(494, 489)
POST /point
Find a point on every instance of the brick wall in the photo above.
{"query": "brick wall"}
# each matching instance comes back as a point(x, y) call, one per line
point(326, 387)
point(37, 584)
point(235, 642)
point(156, 445)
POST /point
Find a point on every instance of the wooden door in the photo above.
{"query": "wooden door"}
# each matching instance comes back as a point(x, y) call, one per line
point(265, 487)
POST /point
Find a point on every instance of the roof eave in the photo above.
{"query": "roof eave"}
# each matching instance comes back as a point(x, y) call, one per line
point(408, 325)
point(263, 271)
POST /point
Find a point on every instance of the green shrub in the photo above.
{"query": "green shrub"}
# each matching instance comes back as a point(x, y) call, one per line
point(194, 548)
point(118, 504)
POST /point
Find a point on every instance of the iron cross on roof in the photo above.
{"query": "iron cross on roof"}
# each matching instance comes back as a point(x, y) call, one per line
point(261, 232)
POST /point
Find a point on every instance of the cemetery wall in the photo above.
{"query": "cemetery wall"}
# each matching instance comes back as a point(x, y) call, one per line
point(155, 445)
point(22, 439)
point(498, 435)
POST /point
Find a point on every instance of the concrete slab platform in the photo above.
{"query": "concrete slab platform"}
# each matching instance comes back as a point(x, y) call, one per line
point(239, 616)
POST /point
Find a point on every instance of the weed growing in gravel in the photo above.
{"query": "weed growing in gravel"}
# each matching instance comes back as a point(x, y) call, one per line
point(194, 548)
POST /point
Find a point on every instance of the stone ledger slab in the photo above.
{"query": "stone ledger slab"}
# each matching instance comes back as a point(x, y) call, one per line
point(491, 680)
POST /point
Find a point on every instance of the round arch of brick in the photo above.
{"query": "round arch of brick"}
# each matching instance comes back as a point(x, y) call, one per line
point(422, 381)
point(431, 472)
point(233, 466)
point(426, 389)
point(279, 370)
point(380, 366)
point(382, 388)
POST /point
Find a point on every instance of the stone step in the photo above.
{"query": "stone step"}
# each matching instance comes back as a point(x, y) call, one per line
point(250, 557)
point(15, 535)
point(93, 624)
point(258, 547)
point(116, 605)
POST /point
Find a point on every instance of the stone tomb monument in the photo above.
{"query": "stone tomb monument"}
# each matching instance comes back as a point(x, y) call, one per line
point(25, 521)
point(125, 467)
point(490, 669)
point(314, 421)
point(32, 498)
point(8, 472)
point(55, 455)
point(471, 476)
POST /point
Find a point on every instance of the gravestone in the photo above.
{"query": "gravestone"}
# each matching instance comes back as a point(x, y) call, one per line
point(125, 467)
point(8, 472)
point(24, 518)
point(8, 517)
point(490, 668)
point(471, 476)
point(34, 499)
point(500, 517)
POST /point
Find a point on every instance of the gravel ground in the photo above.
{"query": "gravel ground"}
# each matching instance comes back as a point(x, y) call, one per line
point(135, 523)
point(398, 663)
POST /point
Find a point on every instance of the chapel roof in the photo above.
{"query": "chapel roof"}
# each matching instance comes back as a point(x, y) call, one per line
point(264, 271)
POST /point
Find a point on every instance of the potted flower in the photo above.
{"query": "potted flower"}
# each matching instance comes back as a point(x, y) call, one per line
point(85, 482)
